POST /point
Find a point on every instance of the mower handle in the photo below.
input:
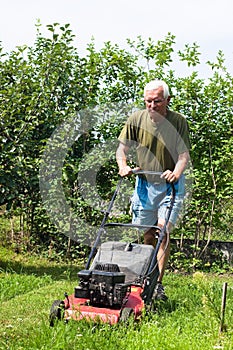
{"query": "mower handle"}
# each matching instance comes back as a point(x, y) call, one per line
point(103, 223)
point(109, 224)
point(146, 172)
point(149, 172)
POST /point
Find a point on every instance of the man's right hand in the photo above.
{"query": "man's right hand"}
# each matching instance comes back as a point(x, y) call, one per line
point(125, 171)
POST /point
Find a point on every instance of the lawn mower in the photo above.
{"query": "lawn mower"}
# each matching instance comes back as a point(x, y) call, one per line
point(119, 278)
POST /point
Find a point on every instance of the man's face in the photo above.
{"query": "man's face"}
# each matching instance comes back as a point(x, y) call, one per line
point(155, 102)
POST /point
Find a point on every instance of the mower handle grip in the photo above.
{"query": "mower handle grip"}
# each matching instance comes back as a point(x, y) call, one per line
point(146, 172)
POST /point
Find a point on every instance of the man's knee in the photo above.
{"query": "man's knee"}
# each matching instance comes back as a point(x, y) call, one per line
point(149, 237)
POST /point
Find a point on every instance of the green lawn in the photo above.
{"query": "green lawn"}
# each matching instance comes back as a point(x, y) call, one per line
point(188, 320)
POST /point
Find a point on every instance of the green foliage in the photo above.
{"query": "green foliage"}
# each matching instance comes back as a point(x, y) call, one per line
point(188, 259)
point(190, 55)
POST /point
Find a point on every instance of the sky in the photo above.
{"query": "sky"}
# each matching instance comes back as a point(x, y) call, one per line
point(205, 22)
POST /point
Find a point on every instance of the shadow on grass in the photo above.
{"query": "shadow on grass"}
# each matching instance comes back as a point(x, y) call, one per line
point(168, 306)
point(57, 271)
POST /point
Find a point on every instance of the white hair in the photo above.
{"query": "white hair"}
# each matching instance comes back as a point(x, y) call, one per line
point(155, 84)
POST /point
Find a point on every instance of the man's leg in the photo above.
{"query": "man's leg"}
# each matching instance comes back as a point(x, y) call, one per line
point(149, 237)
point(162, 258)
point(164, 250)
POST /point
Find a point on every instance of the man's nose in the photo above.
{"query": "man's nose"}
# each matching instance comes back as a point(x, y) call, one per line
point(153, 103)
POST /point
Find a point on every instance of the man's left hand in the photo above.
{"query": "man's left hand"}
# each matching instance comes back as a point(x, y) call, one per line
point(169, 176)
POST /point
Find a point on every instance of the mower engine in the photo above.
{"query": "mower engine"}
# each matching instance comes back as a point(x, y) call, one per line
point(104, 286)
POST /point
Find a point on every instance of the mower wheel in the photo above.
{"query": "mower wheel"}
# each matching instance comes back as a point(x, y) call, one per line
point(56, 311)
point(126, 314)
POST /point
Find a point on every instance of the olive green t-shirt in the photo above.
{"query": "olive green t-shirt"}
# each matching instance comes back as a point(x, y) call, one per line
point(158, 145)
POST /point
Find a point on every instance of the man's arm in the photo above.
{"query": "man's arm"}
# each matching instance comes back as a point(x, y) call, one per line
point(173, 176)
point(121, 158)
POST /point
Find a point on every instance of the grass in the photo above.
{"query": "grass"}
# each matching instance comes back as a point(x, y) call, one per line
point(188, 320)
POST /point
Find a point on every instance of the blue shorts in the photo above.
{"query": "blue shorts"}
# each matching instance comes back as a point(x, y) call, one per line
point(151, 201)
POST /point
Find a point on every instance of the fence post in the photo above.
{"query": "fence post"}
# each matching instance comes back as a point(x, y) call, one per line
point(223, 307)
